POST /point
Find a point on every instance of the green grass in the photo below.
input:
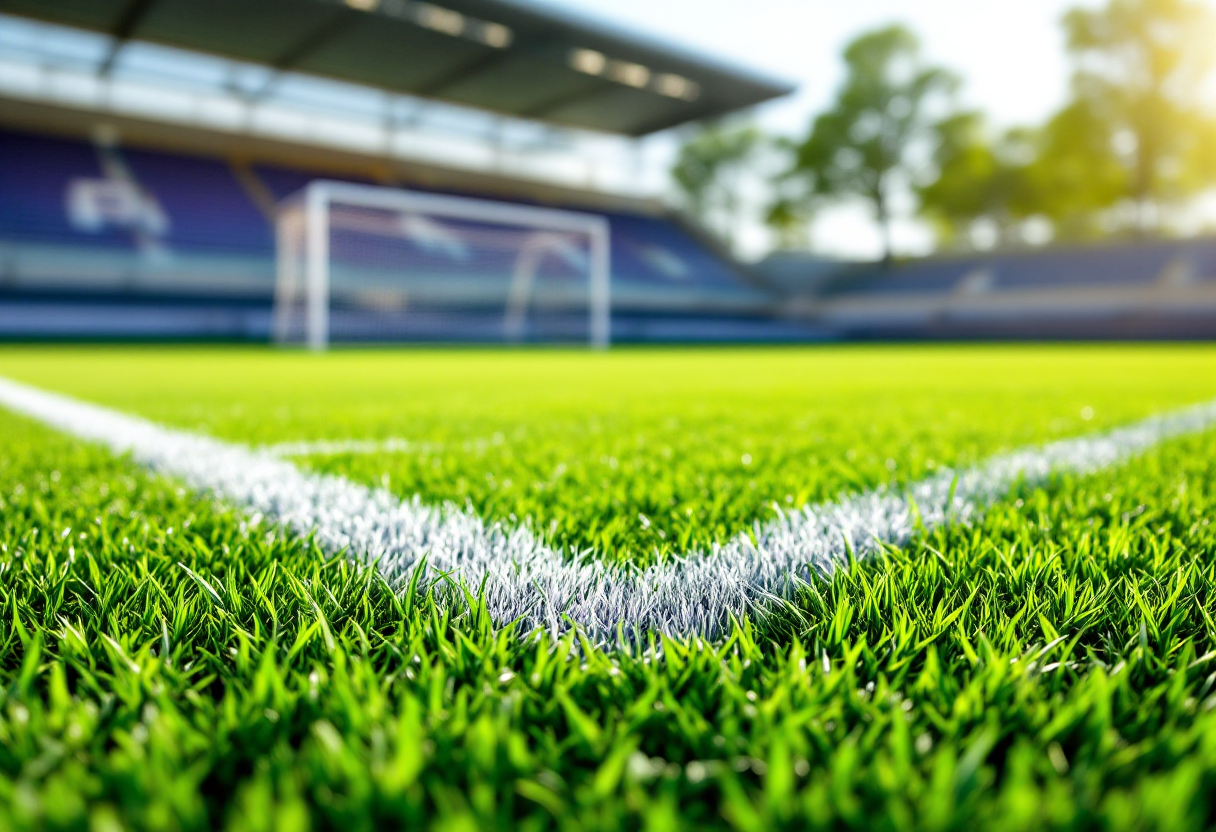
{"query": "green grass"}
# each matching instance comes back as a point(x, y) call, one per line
point(164, 666)
point(583, 447)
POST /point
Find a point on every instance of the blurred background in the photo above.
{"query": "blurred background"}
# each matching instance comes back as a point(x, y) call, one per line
point(787, 171)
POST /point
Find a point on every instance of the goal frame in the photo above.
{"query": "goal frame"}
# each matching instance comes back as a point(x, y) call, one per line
point(304, 218)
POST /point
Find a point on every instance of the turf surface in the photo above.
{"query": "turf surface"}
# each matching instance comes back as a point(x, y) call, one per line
point(165, 665)
point(645, 451)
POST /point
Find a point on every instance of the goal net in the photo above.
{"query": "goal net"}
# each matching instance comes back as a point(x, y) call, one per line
point(365, 263)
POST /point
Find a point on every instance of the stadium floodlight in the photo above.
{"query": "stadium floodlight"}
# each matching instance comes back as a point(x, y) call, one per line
point(367, 263)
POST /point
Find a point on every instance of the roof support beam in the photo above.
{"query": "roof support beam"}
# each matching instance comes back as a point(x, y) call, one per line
point(547, 107)
point(330, 28)
point(124, 28)
point(470, 69)
point(669, 120)
point(482, 64)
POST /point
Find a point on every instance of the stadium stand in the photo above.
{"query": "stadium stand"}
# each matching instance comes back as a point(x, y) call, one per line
point(143, 152)
point(205, 268)
point(1121, 266)
point(920, 277)
point(36, 172)
point(1161, 289)
point(206, 204)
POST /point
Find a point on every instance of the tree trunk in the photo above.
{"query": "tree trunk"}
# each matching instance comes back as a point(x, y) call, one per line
point(884, 224)
point(1144, 184)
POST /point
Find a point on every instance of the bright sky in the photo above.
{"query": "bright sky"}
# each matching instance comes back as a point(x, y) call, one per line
point(1010, 52)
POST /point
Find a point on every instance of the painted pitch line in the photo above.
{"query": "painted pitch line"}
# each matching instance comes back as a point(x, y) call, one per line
point(367, 447)
point(528, 580)
point(330, 447)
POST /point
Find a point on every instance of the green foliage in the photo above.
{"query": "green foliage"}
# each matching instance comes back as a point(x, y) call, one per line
point(977, 181)
point(1141, 72)
point(1135, 135)
point(637, 453)
point(863, 145)
point(1075, 176)
point(1128, 152)
point(710, 171)
point(166, 665)
point(1065, 172)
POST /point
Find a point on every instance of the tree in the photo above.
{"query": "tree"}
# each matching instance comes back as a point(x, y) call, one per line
point(789, 211)
point(1065, 172)
point(864, 145)
point(978, 181)
point(1074, 176)
point(710, 172)
point(1141, 67)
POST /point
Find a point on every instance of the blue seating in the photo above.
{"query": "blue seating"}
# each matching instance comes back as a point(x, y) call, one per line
point(283, 182)
point(1125, 265)
point(656, 251)
point(1202, 255)
point(207, 207)
point(209, 212)
point(35, 174)
point(932, 275)
point(646, 250)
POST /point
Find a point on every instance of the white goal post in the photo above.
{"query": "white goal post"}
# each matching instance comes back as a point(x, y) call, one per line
point(394, 246)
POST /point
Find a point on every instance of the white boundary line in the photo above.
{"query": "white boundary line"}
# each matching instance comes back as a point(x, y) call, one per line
point(528, 580)
point(334, 447)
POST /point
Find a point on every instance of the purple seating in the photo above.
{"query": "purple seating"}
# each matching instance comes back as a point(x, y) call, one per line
point(646, 251)
point(204, 209)
point(1120, 266)
point(207, 207)
point(35, 174)
point(931, 276)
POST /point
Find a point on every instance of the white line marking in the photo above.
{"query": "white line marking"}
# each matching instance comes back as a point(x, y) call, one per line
point(528, 580)
point(333, 447)
point(392, 445)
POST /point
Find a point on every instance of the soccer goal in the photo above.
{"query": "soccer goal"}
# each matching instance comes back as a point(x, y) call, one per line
point(366, 263)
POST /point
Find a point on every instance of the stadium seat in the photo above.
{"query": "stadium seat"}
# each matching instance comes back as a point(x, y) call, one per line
point(197, 231)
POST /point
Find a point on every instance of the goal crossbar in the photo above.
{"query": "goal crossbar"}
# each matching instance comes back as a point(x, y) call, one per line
point(306, 215)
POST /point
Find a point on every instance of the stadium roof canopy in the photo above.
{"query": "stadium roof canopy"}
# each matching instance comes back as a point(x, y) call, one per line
point(508, 56)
